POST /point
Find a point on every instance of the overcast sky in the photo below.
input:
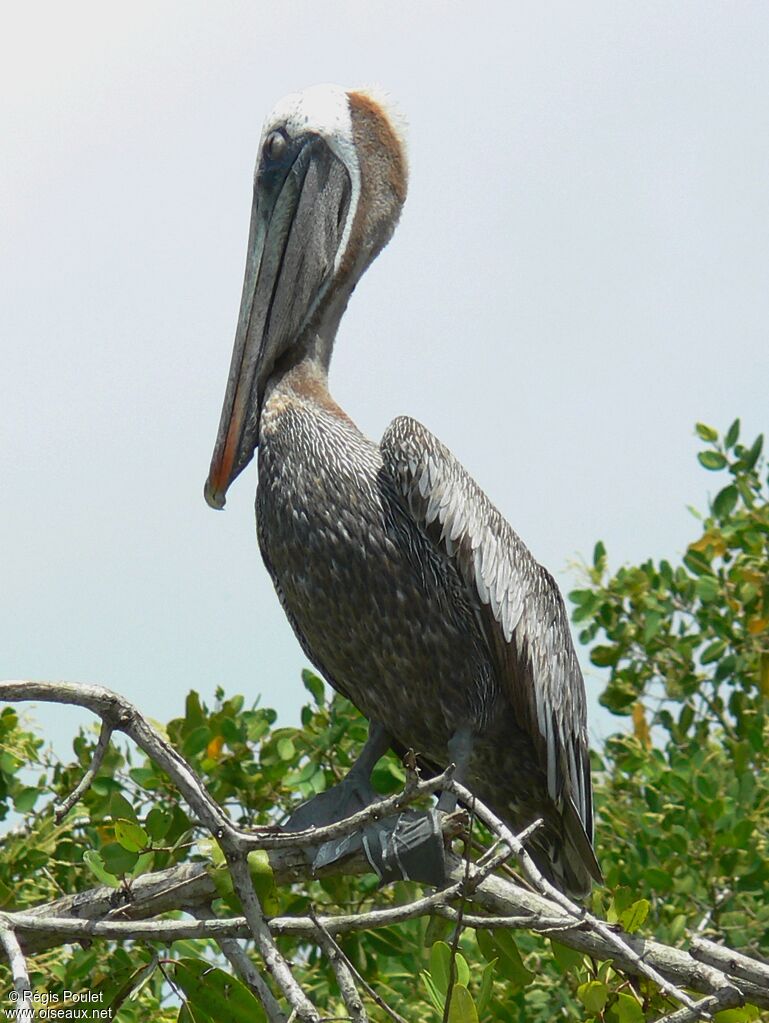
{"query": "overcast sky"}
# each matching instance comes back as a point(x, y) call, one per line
point(581, 272)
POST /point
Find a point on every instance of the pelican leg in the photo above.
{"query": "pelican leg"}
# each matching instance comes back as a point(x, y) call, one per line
point(350, 795)
point(407, 846)
point(460, 747)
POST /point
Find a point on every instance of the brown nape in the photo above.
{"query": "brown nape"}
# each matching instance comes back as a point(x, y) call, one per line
point(383, 181)
point(376, 140)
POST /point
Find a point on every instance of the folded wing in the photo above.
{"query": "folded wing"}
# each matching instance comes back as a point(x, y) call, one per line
point(523, 616)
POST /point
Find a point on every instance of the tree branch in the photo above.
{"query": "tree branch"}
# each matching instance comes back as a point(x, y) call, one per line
point(63, 808)
point(726, 978)
point(19, 972)
point(342, 967)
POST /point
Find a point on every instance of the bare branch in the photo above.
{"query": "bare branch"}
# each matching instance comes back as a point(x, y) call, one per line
point(579, 914)
point(725, 977)
point(122, 716)
point(342, 967)
point(385, 807)
point(361, 980)
point(729, 998)
point(62, 809)
point(242, 965)
point(540, 925)
point(274, 961)
point(734, 963)
point(19, 972)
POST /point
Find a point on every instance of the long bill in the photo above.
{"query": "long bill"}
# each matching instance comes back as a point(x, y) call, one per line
point(297, 222)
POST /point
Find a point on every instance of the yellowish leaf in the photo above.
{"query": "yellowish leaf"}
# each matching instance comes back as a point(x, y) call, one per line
point(641, 726)
point(214, 748)
point(756, 625)
point(711, 540)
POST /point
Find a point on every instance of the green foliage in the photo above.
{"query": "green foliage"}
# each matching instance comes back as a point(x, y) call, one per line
point(682, 797)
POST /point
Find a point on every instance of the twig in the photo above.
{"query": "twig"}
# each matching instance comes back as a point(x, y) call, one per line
point(83, 914)
point(274, 960)
point(720, 899)
point(343, 969)
point(62, 809)
point(533, 873)
point(121, 715)
point(734, 963)
point(243, 966)
point(385, 807)
point(540, 925)
point(728, 998)
point(374, 995)
point(25, 1012)
point(465, 891)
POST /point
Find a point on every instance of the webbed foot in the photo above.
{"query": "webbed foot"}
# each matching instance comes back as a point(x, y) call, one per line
point(407, 846)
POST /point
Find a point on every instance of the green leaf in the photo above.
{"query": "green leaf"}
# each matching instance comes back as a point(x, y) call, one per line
point(117, 859)
point(712, 652)
point(435, 996)
point(286, 748)
point(143, 865)
point(593, 995)
point(706, 432)
point(501, 945)
point(145, 777)
point(186, 1016)
point(119, 807)
point(263, 879)
point(749, 459)
point(712, 460)
point(744, 1014)
point(633, 917)
point(196, 741)
point(732, 434)
point(95, 864)
point(726, 501)
point(462, 970)
point(217, 993)
point(131, 835)
point(462, 1008)
point(440, 957)
point(652, 626)
point(658, 879)
point(708, 589)
point(438, 928)
point(599, 555)
point(604, 656)
point(567, 958)
point(222, 880)
point(314, 686)
point(487, 986)
point(25, 799)
point(157, 823)
point(626, 1010)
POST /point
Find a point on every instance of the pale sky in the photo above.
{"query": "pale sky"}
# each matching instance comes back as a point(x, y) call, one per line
point(581, 272)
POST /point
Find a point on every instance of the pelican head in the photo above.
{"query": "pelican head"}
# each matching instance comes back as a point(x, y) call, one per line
point(329, 186)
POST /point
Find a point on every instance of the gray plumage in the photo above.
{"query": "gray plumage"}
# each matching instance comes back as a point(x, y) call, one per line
point(416, 600)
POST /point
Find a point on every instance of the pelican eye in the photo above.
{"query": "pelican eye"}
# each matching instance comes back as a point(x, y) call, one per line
point(275, 145)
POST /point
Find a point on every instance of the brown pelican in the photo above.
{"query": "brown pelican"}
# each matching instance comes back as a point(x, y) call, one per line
point(405, 586)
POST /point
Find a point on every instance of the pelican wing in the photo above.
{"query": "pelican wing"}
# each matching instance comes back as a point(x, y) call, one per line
point(522, 611)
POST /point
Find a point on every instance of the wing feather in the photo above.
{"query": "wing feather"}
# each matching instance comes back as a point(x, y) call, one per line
point(524, 613)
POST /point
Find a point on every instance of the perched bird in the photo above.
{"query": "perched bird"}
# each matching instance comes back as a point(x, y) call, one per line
point(404, 585)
